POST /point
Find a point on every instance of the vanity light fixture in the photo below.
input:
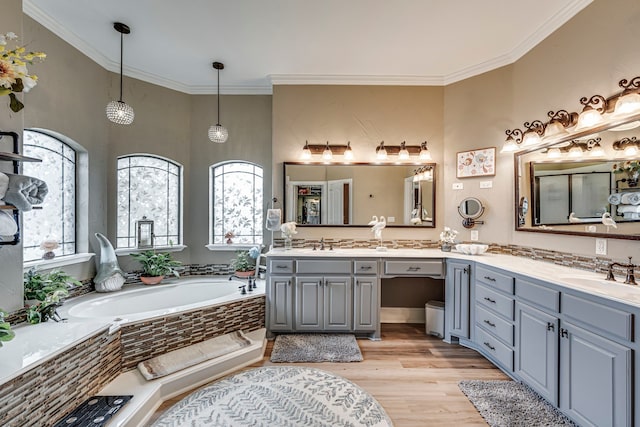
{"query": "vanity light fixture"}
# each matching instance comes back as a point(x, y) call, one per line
point(425, 173)
point(306, 152)
point(120, 112)
point(596, 149)
point(381, 152)
point(630, 146)
point(348, 153)
point(595, 112)
point(425, 154)
point(218, 133)
point(577, 149)
point(327, 154)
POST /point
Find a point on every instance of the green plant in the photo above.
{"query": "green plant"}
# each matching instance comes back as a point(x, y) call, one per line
point(6, 334)
point(245, 260)
point(47, 289)
point(157, 264)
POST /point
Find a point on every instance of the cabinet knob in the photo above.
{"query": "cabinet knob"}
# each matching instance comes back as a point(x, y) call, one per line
point(489, 346)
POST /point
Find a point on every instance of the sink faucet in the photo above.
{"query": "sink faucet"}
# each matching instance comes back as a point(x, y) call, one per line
point(630, 279)
point(322, 243)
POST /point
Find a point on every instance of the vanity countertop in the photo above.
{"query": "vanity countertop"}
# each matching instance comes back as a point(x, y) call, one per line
point(567, 277)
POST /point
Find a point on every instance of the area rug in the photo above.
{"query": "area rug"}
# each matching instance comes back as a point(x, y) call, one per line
point(316, 348)
point(513, 404)
point(286, 396)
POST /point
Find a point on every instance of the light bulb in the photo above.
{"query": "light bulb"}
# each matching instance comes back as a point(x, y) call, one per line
point(596, 151)
point(381, 152)
point(575, 151)
point(306, 152)
point(553, 153)
point(403, 154)
point(327, 154)
point(630, 150)
point(531, 138)
point(554, 128)
point(627, 104)
point(588, 118)
point(509, 146)
point(348, 153)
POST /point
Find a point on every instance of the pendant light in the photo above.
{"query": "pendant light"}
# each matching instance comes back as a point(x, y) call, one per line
point(218, 133)
point(118, 111)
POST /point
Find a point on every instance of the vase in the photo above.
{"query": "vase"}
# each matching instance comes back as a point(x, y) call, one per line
point(245, 273)
point(151, 280)
point(48, 255)
point(632, 178)
point(445, 247)
point(288, 243)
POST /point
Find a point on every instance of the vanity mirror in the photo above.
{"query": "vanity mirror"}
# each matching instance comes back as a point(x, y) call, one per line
point(470, 209)
point(349, 194)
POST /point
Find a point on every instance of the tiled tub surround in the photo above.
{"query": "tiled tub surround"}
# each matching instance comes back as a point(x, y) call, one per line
point(40, 384)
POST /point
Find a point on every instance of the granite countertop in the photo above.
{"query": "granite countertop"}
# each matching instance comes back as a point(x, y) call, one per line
point(566, 277)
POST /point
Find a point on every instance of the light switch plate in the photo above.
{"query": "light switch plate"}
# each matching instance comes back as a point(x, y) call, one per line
point(486, 184)
point(474, 235)
point(457, 186)
point(601, 246)
point(391, 219)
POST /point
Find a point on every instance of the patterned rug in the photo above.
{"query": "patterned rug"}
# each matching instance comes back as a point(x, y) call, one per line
point(316, 348)
point(285, 396)
point(513, 404)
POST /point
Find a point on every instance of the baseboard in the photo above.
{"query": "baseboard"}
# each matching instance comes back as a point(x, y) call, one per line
point(402, 315)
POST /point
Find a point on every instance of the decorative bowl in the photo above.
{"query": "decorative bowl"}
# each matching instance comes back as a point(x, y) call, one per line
point(471, 249)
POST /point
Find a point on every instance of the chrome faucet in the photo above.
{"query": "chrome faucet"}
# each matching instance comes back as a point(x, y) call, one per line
point(322, 243)
point(630, 278)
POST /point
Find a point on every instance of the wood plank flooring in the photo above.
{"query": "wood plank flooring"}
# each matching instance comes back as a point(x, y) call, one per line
point(413, 376)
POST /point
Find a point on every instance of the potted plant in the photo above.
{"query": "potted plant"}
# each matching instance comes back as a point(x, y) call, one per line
point(244, 264)
point(43, 293)
point(6, 334)
point(155, 266)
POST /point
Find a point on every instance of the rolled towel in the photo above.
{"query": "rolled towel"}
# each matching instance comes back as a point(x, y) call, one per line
point(25, 191)
point(4, 184)
point(630, 198)
point(8, 226)
point(614, 198)
point(631, 215)
point(628, 208)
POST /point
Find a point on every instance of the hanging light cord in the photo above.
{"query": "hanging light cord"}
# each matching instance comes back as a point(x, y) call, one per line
point(121, 48)
point(218, 123)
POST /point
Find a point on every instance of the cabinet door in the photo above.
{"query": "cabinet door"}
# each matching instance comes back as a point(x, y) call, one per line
point(280, 304)
point(457, 299)
point(365, 305)
point(309, 304)
point(595, 378)
point(338, 305)
point(537, 350)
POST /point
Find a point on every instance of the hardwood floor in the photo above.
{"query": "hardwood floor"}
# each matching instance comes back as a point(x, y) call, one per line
point(413, 376)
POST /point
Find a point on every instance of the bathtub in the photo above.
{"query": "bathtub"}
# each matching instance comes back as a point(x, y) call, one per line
point(144, 302)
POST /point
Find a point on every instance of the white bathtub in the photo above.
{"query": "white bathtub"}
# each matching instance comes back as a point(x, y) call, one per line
point(141, 302)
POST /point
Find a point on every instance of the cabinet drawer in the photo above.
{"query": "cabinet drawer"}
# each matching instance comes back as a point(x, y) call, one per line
point(316, 266)
point(494, 279)
point(611, 321)
point(365, 267)
point(491, 346)
point(495, 301)
point(432, 267)
point(277, 266)
point(495, 324)
point(538, 295)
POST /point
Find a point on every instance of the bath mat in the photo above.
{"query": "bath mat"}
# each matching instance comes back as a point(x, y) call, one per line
point(316, 348)
point(185, 357)
point(510, 403)
point(278, 396)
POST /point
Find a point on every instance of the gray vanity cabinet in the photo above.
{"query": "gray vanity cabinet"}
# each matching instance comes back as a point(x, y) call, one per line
point(365, 296)
point(280, 303)
point(323, 303)
point(457, 294)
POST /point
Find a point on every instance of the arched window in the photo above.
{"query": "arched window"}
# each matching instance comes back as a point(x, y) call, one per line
point(236, 203)
point(57, 218)
point(149, 186)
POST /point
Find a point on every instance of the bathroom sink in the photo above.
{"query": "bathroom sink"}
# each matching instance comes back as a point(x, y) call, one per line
point(586, 280)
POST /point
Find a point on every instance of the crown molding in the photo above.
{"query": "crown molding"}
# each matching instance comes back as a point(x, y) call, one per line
point(339, 79)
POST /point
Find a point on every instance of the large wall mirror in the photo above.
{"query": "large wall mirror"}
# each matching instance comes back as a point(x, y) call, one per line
point(350, 194)
point(568, 187)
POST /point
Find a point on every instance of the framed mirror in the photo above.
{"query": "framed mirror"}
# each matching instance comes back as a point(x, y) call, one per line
point(350, 194)
point(571, 184)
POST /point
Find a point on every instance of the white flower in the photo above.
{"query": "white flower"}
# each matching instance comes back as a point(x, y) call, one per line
point(7, 74)
point(28, 83)
point(448, 235)
point(11, 35)
point(288, 229)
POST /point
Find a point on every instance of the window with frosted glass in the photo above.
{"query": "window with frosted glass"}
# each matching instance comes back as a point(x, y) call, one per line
point(57, 218)
point(236, 202)
point(151, 187)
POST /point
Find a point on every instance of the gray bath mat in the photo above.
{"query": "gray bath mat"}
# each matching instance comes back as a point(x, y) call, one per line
point(316, 348)
point(512, 404)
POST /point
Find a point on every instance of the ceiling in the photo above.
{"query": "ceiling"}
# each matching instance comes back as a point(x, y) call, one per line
point(265, 42)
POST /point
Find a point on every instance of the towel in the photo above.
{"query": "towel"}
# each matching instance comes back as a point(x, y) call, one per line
point(185, 357)
point(628, 208)
point(4, 184)
point(614, 198)
point(631, 215)
point(274, 219)
point(25, 191)
point(8, 226)
point(630, 198)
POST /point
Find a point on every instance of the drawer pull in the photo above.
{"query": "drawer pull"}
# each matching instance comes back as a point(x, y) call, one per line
point(413, 268)
point(365, 267)
point(492, 348)
point(490, 323)
point(489, 278)
point(492, 301)
point(550, 326)
point(564, 333)
point(281, 266)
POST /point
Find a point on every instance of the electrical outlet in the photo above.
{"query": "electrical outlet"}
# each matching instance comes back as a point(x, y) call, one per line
point(391, 219)
point(474, 235)
point(601, 246)
point(457, 186)
point(486, 184)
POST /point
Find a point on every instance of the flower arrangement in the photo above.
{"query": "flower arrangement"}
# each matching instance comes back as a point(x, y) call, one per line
point(448, 235)
point(288, 229)
point(14, 76)
point(245, 260)
point(629, 166)
point(229, 235)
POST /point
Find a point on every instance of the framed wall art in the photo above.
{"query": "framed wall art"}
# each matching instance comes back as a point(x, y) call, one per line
point(480, 162)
